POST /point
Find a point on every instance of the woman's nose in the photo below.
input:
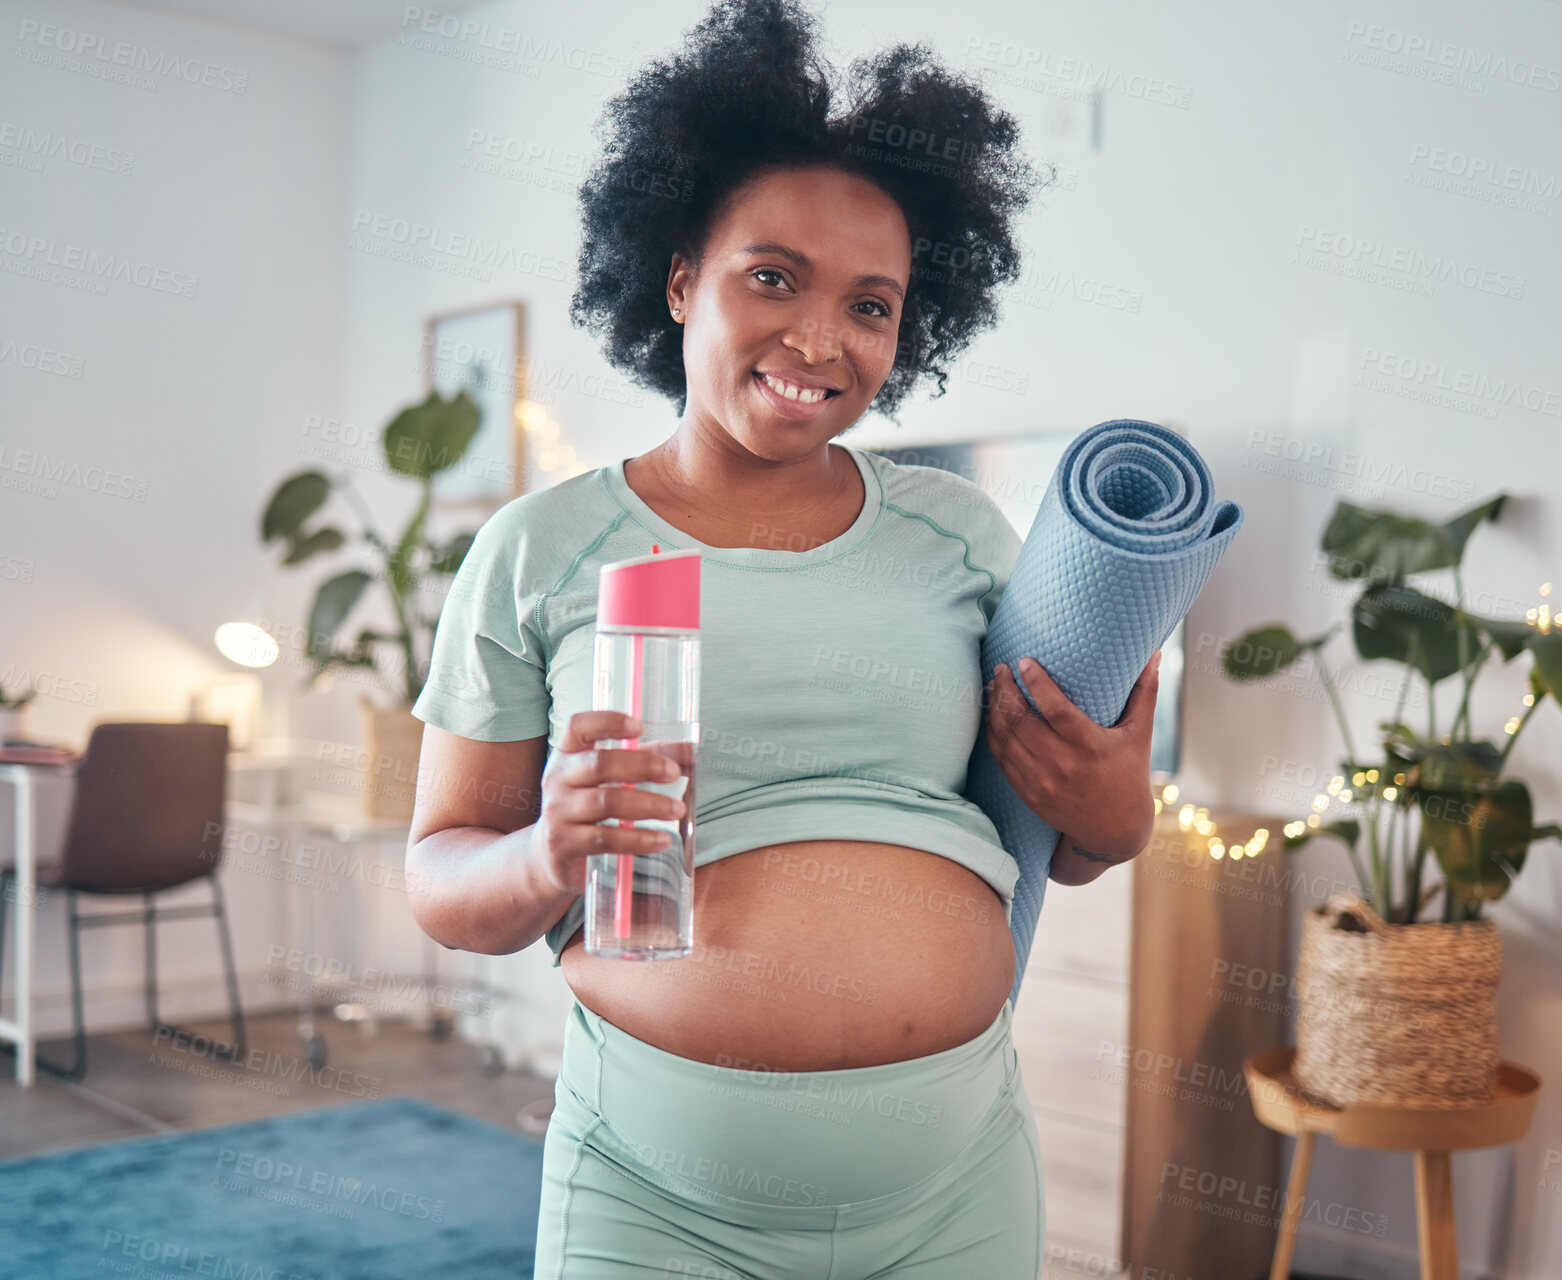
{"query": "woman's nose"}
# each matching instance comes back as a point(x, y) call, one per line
point(818, 341)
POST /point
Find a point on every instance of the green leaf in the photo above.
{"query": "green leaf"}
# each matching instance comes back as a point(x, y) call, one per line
point(339, 658)
point(1402, 624)
point(1397, 766)
point(430, 437)
point(333, 602)
point(295, 500)
point(1261, 652)
point(1453, 766)
point(1510, 638)
point(447, 559)
point(1346, 829)
point(399, 566)
point(1383, 546)
point(363, 647)
point(1538, 688)
point(1401, 732)
point(1479, 836)
point(1459, 528)
point(1402, 744)
point(1428, 766)
point(327, 539)
point(1547, 648)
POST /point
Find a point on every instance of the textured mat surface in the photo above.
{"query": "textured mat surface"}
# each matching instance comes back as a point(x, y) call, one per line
point(385, 1190)
point(1124, 540)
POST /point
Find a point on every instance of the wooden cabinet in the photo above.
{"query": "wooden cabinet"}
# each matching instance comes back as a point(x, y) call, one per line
point(1144, 992)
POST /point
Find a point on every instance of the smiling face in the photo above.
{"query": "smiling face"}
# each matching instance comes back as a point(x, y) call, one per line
point(791, 318)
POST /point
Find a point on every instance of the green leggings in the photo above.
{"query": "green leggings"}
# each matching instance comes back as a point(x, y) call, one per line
point(660, 1166)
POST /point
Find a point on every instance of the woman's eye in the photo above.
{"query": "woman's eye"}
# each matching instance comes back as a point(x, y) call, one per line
point(777, 280)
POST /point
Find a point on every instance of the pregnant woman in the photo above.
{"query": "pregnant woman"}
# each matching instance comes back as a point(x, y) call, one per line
point(826, 1087)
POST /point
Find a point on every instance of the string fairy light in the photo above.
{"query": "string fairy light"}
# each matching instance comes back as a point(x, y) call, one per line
point(1195, 818)
point(554, 457)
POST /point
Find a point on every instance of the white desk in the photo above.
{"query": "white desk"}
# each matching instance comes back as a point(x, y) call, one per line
point(336, 817)
point(327, 815)
point(340, 817)
point(19, 1030)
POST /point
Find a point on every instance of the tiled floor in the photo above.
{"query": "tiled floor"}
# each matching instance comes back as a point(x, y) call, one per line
point(134, 1086)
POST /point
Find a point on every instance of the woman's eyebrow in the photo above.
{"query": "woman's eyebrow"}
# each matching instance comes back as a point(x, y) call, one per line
point(802, 260)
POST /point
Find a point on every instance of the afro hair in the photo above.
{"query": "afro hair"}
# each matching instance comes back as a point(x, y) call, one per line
point(748, 92)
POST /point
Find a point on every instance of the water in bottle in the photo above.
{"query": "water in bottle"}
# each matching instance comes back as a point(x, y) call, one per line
point(646, 662)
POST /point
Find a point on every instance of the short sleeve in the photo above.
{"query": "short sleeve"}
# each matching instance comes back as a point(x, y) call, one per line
point(995, 547)
point(487, 676)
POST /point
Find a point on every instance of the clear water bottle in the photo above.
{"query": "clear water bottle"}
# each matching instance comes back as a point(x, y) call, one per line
point(640, 906)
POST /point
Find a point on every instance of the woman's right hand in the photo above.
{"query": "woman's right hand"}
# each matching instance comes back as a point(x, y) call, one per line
point(578, 792)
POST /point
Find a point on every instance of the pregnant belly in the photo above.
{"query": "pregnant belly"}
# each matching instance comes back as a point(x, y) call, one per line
point(816, 955)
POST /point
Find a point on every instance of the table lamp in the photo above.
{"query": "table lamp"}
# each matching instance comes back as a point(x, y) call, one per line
point(235, 699)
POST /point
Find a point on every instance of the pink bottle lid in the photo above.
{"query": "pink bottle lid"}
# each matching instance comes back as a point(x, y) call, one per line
point(658, 592)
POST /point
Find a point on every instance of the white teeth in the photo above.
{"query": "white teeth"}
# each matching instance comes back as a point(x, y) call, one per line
point(793, 392)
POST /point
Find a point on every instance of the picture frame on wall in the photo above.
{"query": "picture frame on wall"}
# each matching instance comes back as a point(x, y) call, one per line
point(480, 348)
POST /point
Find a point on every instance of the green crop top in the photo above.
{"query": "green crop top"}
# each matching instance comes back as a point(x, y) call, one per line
point(840, 687)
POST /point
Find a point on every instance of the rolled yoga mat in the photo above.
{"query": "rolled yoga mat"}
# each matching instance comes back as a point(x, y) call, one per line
point(1124, 540)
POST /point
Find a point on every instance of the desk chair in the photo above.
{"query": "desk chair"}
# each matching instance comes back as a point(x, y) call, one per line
point(147, 816)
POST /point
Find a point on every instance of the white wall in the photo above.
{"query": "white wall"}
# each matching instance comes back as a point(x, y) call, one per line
point(110, 589)
point(1197, 212)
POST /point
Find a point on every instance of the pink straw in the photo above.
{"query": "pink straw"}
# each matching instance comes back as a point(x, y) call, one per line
point(622, 920)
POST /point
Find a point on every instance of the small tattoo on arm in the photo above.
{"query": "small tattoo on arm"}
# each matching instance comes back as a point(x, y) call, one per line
point(1093, 857)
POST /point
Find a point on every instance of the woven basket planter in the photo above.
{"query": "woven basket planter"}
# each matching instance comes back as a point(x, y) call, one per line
point(390, 777)
point(1396, 1015)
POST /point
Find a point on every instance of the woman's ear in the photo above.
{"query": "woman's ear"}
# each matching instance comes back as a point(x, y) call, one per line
point(680, 274)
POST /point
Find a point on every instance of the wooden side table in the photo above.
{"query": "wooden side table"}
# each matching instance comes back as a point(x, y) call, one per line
point(1431, 1134)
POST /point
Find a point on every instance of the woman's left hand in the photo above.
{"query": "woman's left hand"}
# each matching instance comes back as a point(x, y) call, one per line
point(1083, 779)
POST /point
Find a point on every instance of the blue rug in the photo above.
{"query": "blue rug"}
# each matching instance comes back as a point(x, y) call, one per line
point(380, 1190)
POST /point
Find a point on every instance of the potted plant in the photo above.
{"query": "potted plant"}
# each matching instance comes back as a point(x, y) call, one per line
point(13, 714)
point(421, 441)
point(1397, 1008)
